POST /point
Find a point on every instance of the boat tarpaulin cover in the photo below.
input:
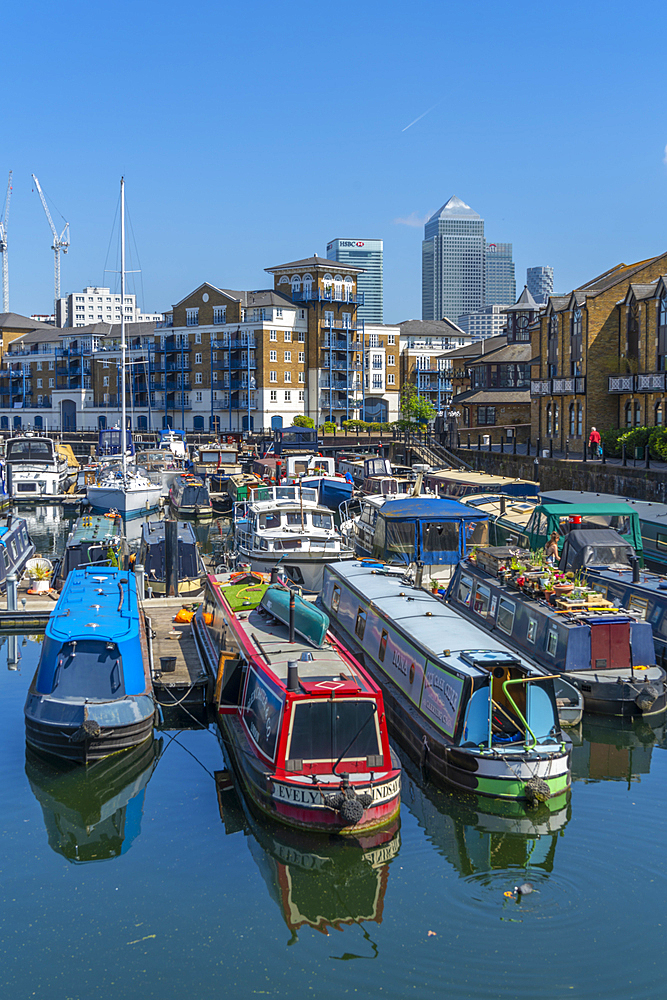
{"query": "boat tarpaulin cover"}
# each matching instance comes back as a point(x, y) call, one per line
point(601, 547)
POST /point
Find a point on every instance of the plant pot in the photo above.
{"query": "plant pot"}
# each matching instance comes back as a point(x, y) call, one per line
point(560, 589)
point(39, 586)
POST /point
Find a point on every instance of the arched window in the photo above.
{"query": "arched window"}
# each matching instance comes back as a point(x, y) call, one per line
point(659, 415)
point(296, 283)
point(576, 322)
point(572, 420)
point(307, 285)
point(633, 330)
point(549, 423)
point(4, 423)
point(39, 423)
point(628, 414)
point(214, 424)
point(142, 422)
point(17, 423)
point(638, 413)
point(102, 422)
point(198, 423)
point(284, 280)
point(580, 420)
point(338, 287)
point(348, 288)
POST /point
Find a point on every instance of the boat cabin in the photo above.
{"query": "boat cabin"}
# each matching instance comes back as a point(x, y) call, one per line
point(109, 443)
point(95, 539)
point(424, 530)
point(152, 555)
point(462, 483)
point(189, 495)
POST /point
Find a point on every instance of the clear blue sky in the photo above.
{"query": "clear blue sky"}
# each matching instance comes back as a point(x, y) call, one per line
point(251, 134)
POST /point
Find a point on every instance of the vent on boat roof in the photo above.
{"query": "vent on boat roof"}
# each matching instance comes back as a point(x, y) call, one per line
point(487, 659)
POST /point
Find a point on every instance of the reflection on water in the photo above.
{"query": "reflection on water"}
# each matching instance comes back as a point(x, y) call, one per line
point(93, 813)
point(608, 749)
point(315, 881)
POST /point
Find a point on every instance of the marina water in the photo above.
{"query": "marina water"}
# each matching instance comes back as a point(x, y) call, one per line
point(148, 879)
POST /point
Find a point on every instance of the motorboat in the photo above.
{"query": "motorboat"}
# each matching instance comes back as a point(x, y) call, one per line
point(471, 711)
point(161, 467)
point(92, 693)
point(189, 496)
point(303, 723)
point(95, 540)
point(287, 525)
point(217, 460)
point(175, 443)
point(152, 555)
point(319, 473)
point(35, 468)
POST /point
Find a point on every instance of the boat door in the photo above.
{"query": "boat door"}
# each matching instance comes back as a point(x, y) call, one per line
point(610, 645)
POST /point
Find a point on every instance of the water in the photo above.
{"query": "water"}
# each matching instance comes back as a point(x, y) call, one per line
point(147, 879)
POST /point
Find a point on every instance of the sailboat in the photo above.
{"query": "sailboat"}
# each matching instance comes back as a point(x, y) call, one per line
point(127, 490)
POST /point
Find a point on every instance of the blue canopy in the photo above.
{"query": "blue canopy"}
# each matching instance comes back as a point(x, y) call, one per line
point(432, 508)
point(433, 531)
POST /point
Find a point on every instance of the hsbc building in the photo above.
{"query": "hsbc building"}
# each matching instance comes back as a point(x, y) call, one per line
point(369, 255)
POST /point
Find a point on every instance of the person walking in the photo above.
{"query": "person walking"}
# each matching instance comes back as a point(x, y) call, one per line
point(594, 442)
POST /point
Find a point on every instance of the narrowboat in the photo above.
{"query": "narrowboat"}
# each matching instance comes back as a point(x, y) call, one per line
point(188, 495)
point(287, 525)
point(604, 651)
point(16, 548)
point(236, 491)
point(93, 813)
point(427, 534)
point(214, 459)
point(317, 883)
point(35, 468)
point(95, 539)
point(92, 693)
point(652, 521)
point(152, 556)
point(303, 723)
point(319, 473)
point(475, 714)
point(459, 483)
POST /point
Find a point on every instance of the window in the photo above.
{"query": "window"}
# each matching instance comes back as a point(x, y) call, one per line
point(302, 337)
point(302, 357)
point(214, 356)
point(197, 357)
point(506, 612)
point(105, 380)
point(214, 376)
point(39, 383)
point(486, 415)
point(580, 420)
point(219, 314)
point(274, 395)
point(197, 378)
point(638, 413)
point(391, 359)
point(288, 356)
point(273, 355)
point(552, 641)
point(572, 420)
point(273, 376)
point(39, 366)
point(628, 414)
point(658, 415)
point(39, 400)
point(279, 313)
point(288, 376)
point(360, 625)
point(391, 340)
point(273, 334)
point(198, 397)
point(51, 383)
point(531, 632)
point(549, 423)
point(328, 319)
point(51, 365)
point(335, 598)
point(288, 396)
point(391, 379)
point(198, 337)
point(482, 600)
point(302, 395)
point(302, 377)
point(465, 589)
point(192, 317)
point(288, 336)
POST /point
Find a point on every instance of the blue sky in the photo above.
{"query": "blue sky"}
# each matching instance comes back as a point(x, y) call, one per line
point(251, 134)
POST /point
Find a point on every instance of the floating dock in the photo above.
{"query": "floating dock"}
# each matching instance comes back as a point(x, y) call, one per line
point(188, 684)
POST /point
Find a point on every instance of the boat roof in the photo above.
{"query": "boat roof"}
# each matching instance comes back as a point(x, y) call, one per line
point(88, 606)
point(152, 532)
point(433, 508)
point(648, 510)
point(441, 632)
point(566, 510)
point(479, 478)
point(93, 528)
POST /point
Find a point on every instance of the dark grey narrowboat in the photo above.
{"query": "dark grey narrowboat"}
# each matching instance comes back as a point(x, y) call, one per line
point(189, 496)
point(95, 539)
point(153, 557)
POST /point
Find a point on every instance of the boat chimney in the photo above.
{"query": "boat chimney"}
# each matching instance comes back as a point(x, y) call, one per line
point(274, 574)
point(291, 616)
point(292, 675)
point(10, 518)
point(635, 569)
point(171, 557)
point(503, 506)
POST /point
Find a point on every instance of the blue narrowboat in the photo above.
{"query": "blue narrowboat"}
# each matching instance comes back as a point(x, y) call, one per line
point(92, 693)
point(473, 712)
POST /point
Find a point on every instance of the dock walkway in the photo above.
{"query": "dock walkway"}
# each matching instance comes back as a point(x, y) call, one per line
point(189, 683)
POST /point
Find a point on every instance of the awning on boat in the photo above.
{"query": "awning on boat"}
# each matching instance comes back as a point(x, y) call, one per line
point(430, 531)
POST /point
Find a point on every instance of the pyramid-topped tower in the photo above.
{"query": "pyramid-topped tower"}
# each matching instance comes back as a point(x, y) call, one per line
point(453, 262)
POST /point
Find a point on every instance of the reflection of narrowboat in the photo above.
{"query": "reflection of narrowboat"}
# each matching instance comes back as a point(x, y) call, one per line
point(189, 496)
point(152, 556)
point(316, 883)
point(16, 548)
point(92, 693)
point(95, 539)
point(480, 717)
point(303, 723)
point(603, 651)
point(93, 814)
point(614, 751)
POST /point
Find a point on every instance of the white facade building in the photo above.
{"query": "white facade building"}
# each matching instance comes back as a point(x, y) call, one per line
point(99, 305)
point(483, 323)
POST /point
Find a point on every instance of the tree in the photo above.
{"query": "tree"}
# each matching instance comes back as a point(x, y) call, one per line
point(415, 409)
point(302, 421)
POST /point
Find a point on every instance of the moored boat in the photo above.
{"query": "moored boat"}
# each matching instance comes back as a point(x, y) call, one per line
point(304, 724)
point(35, 468)
point(92, 693)
point(319, 473)
point(16, 548)
point(95, 539)
point(189, 496)
point(152, 556)
point(477, 715)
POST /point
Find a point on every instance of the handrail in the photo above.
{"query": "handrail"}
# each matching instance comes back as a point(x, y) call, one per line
point(525, 680)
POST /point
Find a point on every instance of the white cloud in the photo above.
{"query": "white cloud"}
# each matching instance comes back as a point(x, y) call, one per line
point(414, 220)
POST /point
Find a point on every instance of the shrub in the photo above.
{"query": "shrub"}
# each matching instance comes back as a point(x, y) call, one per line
point(328, 427)
point(657, 443)
point(303, 421)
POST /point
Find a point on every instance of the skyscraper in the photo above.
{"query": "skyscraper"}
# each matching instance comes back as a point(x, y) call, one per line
point(453, 262)
point(499, 280)
point(540, 281)
point(369, 255)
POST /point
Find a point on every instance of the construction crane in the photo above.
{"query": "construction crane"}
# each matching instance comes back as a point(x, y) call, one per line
point(59, 243)
point(3, 247)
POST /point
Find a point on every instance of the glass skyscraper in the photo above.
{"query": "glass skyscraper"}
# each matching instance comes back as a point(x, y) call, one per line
point(499, 279)
point(453, 262)
point(540, 282)
point(369, 255)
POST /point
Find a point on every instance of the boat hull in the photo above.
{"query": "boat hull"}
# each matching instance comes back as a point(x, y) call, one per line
point(55, 728)
point(609, 697)
point(130, 503)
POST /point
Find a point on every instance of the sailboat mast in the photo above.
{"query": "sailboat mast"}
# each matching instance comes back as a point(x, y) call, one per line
point(123, 416)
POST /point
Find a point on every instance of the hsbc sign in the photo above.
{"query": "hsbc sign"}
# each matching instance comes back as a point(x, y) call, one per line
point(347, 243)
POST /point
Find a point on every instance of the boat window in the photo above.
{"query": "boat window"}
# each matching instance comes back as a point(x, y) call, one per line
point(400, 541)
point(335, 598)
point(321, 520)
point(506, 612)
point(324, 729)
point(661, 541)
point(29, 448)
point(383, 646)
point(482, 600)
point(639, 605)
point(90, 669)
point(531, 633)
point(440, 536)
point(552, 641)
point(262, 710)
point(14, 549)
point(300, 468)
point(270, 520)
point(465, 589)
point(360, 625)
point(293, 518)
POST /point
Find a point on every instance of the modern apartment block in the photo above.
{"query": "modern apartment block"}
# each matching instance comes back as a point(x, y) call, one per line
point(422, 364)
point(99, 305)
point(487, 322)
point(366, 254)
point(540, 282)
point(453, 270)
point(499, 278)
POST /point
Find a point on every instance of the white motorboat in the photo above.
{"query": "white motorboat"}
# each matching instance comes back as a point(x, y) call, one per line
point(286, 526)
point(319, 473)
point(126, 490)
point(35, 468)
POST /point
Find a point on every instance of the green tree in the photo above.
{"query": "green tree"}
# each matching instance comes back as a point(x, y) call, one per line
point(302, 421)
point(414, 408)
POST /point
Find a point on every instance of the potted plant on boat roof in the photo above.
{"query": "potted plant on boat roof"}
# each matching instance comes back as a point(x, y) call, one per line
point(39, 577)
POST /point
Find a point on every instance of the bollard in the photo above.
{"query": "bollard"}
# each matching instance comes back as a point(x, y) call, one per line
point(537, 447)
point(171, 557)
point(141, 580)
point(604, 456)
point(567, 449)
point(291, 616)
point(479, 442)
point(514, 439)
point(528, 446)
point(584, 447)
point(468, 442)
point(624, 454)
point(274, 574)
point(12, 591)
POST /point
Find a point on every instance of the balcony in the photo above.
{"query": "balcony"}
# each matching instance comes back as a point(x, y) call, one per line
point(654, 382)
point(562, 386)
point(327, 295)
point(164, 324)
point(340, 383)
point(176, 367)
point(338, 324)
point(540, 387)
point(219, 404)
point(233, 344)
point(621, 383)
